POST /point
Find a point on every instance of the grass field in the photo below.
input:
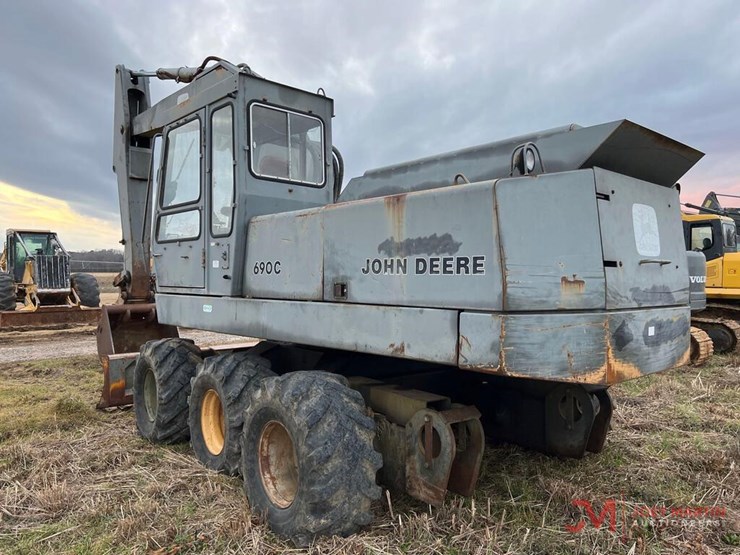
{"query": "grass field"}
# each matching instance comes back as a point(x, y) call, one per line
point(74, 480)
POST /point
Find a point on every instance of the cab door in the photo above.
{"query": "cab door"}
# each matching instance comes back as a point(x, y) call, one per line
point(221, 179)
point(179, 235)
point(706, 236)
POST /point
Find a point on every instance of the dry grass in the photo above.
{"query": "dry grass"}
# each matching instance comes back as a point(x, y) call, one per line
point(76, 481)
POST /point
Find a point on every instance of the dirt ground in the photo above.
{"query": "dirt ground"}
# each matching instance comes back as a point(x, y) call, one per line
point(79, 341)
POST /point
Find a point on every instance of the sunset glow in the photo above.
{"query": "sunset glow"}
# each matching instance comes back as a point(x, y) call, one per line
point(20, 208)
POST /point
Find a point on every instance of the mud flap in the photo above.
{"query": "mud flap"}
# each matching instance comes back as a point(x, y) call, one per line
point(122, 330)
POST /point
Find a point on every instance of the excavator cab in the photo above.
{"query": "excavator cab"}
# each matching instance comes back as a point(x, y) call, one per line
point(716, 237)
point(233, 146)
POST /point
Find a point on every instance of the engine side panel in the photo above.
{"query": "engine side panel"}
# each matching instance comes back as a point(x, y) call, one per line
point(433, 248)
point(285, 256)
point(642, 236)
point(550, 242)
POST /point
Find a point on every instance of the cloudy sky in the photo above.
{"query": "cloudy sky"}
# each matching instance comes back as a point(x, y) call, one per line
point(409, 79)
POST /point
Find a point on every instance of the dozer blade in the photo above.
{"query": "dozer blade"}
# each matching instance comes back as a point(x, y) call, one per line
point(48, 317)
point(122, 330)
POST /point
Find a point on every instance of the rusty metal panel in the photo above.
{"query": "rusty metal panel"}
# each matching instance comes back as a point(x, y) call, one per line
point(555, 346)
point(389, 331)
point(549, 228)
point(597, 348)
point(432, 248)
point(647, 341)
point(643, 242)
point(285, 256)
point(480, 339)
point(118, 380)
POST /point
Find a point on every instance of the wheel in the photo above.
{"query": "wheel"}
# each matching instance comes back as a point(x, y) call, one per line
point(161, 388)
point(7, 292)
point(220, 391)
point(308, 460)
point(87, 289)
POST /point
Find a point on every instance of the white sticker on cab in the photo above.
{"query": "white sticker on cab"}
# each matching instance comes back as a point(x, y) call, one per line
point(215, 263)
point(208, 308)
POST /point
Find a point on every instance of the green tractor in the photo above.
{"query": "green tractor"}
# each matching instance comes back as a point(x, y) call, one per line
point(35, 272)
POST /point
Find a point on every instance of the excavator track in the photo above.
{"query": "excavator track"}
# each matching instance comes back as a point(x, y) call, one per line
point(702, 347)
point(724, 333)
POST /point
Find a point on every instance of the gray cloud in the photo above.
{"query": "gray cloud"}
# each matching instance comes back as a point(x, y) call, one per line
point(409, 79)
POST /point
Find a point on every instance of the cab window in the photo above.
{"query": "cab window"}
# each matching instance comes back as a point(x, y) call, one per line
point(222, 172)
point(729, 232)
point(286, 146)
point(701, 237)
point(182, 165)
point(180, 188)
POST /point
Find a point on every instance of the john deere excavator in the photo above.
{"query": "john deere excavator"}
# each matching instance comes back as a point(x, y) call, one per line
point(36, 286)
point(506, 285)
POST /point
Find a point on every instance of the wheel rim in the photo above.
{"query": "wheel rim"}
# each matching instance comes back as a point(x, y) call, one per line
point(278, 464)
point(212, 422)
point(151, 402)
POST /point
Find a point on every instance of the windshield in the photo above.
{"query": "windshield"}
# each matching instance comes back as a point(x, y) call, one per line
point(37, 243)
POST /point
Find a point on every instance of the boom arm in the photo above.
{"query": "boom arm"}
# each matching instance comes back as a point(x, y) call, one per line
point(131, 162)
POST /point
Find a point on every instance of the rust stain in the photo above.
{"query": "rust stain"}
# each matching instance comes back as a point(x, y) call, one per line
point(398, 350)
point(395, 207)
point(574, 285)
point(117, 389)
point(615, 370)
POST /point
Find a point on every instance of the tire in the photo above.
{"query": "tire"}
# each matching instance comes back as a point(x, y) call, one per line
point(316, 421)
point(220, 391)
point(161, 389)
point(7, 292)
point(87, 289)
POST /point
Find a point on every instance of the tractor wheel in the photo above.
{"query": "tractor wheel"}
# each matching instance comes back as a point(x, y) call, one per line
point(7, 292)
point(308, 461)
point(87, 289)
point(161, 388)
point(220, 391)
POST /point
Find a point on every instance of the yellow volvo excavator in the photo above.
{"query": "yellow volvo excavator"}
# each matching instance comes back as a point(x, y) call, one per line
point(715, 234)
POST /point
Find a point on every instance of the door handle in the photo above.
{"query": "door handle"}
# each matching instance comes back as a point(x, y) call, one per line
point(184, 256)
point(156, 254)
point(654, 261)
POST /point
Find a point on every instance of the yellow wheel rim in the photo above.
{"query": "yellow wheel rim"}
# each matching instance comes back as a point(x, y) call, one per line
point(212, 422)
point(278, 464)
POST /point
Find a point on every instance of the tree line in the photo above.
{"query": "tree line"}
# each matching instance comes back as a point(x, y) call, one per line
point(102, 260)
